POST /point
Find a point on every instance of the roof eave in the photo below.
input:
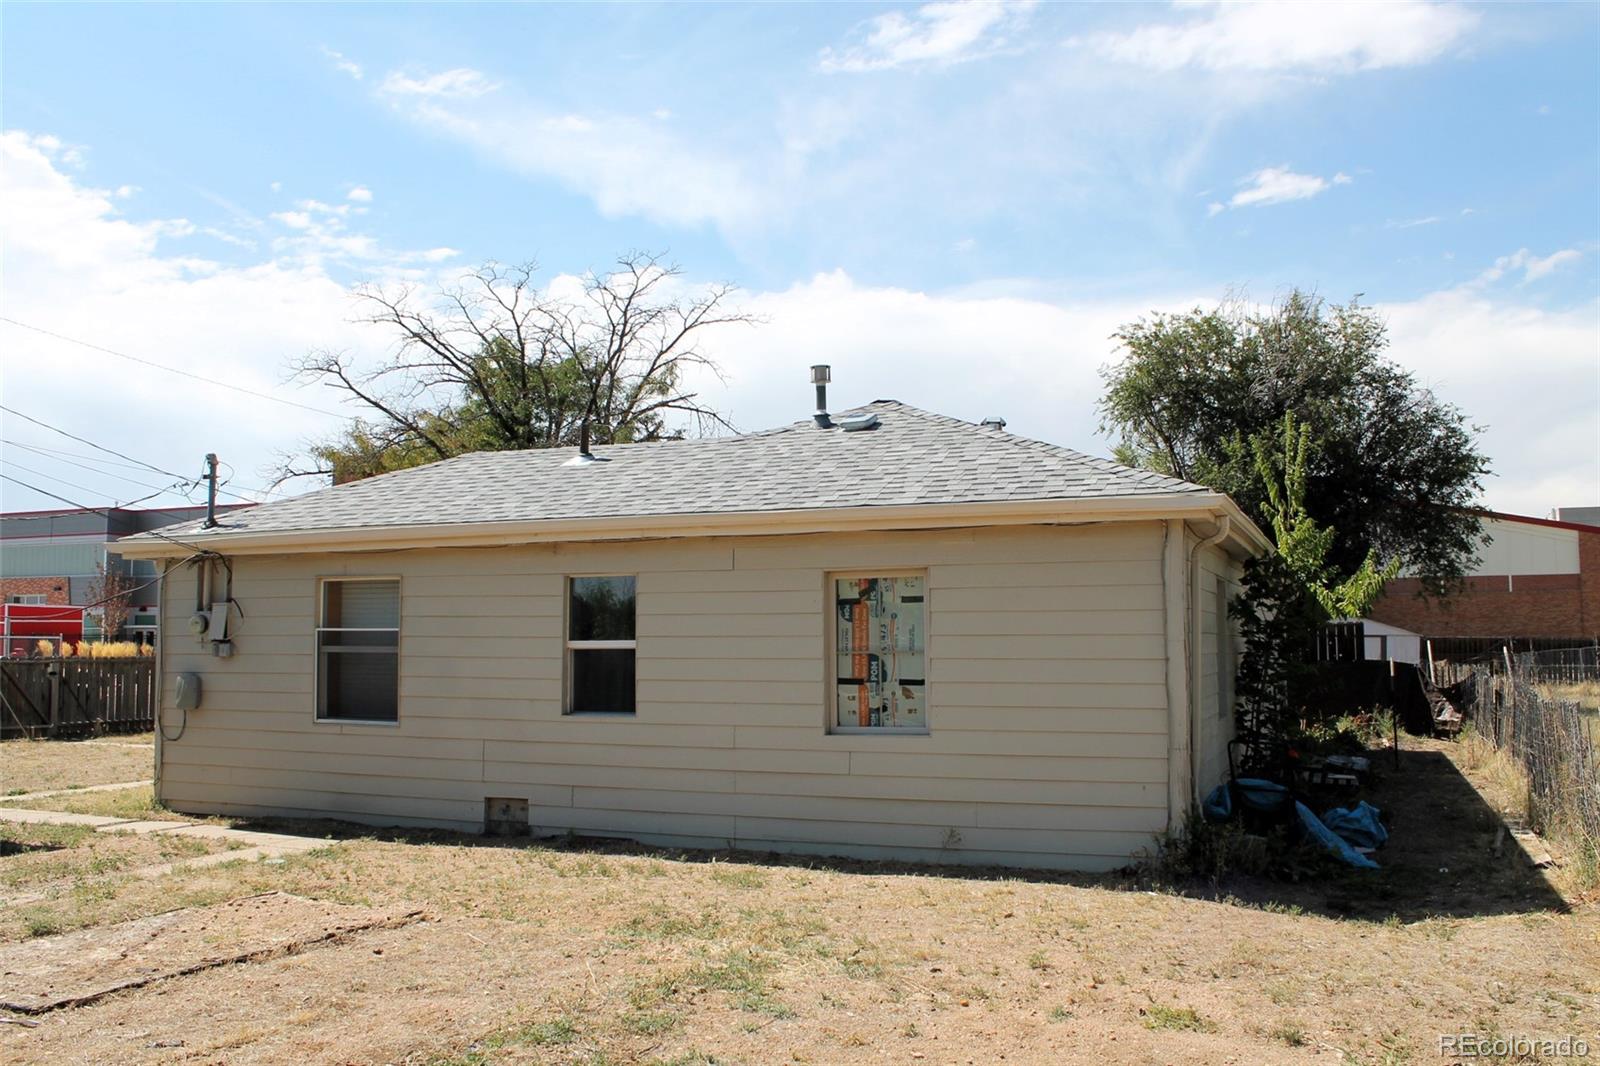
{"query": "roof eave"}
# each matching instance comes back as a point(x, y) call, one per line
point(1195, 505)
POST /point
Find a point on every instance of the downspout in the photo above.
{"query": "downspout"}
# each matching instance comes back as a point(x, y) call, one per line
point(1224, 527)
point(161, 671)
point(1178, 759)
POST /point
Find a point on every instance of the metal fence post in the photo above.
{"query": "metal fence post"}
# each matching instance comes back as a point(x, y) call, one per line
point(55, 698)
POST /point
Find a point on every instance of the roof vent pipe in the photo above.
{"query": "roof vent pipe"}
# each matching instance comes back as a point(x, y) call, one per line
point(583, 438)
point(821, 374)
point(993, 422)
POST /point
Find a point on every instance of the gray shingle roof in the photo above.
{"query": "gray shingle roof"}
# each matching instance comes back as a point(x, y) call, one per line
point(911, 457)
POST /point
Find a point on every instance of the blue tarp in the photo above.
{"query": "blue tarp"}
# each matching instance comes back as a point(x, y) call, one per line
point(1359, 825)
point(1254, 793)
point(1331, 840)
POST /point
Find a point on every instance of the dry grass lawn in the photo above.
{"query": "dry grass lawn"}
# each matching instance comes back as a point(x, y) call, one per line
point(42, 765)
point(588, 953)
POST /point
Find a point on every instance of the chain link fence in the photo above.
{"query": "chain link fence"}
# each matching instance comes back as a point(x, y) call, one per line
point(1555, 740)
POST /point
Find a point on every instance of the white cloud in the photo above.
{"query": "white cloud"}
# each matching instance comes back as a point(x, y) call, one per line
point(343, 64)
point(1278, 185)
point(1540, 420)
point(461, 83)
point(935, 34)
point(1310, 38)
point(627, 164)
point(1533, 267)
point(76, 265)
point(1412, 223)
point(1034, 359)
point(360, 194)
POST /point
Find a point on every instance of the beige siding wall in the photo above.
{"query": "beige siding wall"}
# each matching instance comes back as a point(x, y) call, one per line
point(1046, 695)
point(1217, 572)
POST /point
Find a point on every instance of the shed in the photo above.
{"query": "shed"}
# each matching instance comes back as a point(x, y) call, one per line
point(886, 634)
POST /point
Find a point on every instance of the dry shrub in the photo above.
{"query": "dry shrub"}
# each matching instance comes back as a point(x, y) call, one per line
point(103, 649)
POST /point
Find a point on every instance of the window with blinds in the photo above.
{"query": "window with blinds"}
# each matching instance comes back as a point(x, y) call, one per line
point(358, 650)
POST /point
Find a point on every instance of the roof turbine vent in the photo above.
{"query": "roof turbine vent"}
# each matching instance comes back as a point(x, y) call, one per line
point(993, 422)
point(821, 374)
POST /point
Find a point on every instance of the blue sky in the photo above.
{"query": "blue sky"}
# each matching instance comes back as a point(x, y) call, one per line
point(955, 204)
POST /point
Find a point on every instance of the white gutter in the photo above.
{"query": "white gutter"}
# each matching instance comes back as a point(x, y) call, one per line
point(1172, 581)
point(1224, 526)
point(750, 523)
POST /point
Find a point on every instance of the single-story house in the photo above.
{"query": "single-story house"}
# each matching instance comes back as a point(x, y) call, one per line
point(886, 634)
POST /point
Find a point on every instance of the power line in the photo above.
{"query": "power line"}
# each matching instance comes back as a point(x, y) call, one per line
point(54, 452)
point(174, 370)
point(101, 511)
point(74, 485)
point(58, 457)
point(120, 455)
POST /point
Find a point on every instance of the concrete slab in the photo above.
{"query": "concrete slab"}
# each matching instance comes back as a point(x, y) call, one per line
point(23, 797)
point(142, 826)
point(46, 973)
point(24, 816)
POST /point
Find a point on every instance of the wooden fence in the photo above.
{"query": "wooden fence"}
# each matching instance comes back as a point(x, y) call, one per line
point(76, 697)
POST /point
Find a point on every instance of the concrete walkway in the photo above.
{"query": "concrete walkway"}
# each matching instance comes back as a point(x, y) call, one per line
point(23, 796)
point(251, 844)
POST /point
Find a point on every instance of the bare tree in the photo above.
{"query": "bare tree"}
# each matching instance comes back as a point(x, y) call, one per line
point(111, 594)
point(496, 362)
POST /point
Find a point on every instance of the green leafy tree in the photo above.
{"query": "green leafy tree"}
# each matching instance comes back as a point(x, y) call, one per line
point(497, 363)
point(1288, 595)
point(1395, 469)
point(1303, 542)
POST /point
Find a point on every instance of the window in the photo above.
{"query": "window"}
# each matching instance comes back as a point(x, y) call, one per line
point(880, 653)
point(358, 650)
point(32, 599)
point(600, 645)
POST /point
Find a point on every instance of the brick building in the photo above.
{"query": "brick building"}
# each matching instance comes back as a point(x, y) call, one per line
point(1538, 578)
point(53, 557)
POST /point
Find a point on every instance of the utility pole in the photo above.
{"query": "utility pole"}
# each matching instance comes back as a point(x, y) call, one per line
point(211, 489)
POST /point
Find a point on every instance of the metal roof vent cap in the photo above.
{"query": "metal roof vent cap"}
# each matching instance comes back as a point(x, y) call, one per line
point(821, 374)
point(993, 422)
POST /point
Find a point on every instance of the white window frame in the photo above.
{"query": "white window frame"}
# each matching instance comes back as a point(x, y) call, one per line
point(316, 648)
point(830, 597)
point(29, 599)
point(570, 646)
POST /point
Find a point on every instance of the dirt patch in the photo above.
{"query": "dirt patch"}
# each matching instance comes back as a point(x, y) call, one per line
point(38, 765)
point(78, 968)
point(1448, 855)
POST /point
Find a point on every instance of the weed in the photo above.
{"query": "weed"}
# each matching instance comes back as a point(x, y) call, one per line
point(660, 923)
point(743, 975)
point(650, 1022)
point(560, 1030)
point(742, 878)
point(1292, 1035)
point(1177, 1019)
point(39, 922)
